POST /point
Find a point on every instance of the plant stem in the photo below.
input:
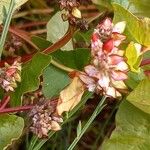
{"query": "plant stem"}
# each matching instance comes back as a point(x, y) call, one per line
point(98, 109)
point(62, 67)
point(145, 62)
point(15, 109)
point(5, 102)
point(103, 128)
point(6, 26)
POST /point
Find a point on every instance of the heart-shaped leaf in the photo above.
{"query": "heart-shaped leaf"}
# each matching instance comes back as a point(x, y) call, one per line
point(56, 29)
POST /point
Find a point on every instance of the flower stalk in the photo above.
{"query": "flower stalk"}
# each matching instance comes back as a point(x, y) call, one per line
point(98, 109)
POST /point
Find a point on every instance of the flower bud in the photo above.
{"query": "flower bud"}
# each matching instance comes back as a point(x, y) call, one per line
point(76, 12)
point(108, 45)
point(17, 77)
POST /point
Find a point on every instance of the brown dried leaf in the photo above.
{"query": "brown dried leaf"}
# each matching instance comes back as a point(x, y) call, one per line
point(70, 96)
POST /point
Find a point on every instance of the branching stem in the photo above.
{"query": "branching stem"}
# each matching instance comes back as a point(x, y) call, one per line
point(15, 109)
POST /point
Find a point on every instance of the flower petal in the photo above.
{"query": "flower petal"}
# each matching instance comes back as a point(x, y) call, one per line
point(118, 75)
point(91, 71)
point(112, 92)
point(122, 66)
point(108, 45)
point(114, 59)
point(119, 27)
point(119, 84)
point(118, 38)
point(87, 80)
point(104, 81)
point(138, 48)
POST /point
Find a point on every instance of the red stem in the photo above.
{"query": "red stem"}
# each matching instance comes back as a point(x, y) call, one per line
point(145, 62)
point(147, 73)
point(5, 101)
point(31, 24)
point(15, 109)
point(48, 50)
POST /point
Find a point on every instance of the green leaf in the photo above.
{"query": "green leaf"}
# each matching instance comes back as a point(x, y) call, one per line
point(56, 29)
point(30, 76)
point(140, 96)
point(76, 59)
point(134, 79)
point(138, 28)
point(132, 57)
point(54, 80)
point(4, 4)
point(132, 130)
point(40, 42)
point(146, 55)
point(79, 129)
point(81, 37)
point(11, 128)
point(137, 7)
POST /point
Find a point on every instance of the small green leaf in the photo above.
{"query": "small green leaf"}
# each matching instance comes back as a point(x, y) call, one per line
point(30, 76)
point(146, 55)
point(132, 130)
point(56, 29)
point(79, 128)
point(4, 4)
point(81, 37)
point(134, 79)
point(140, 96)
point(76, 59)
point(138, 28)
point(11, 128)
point(54, 80)
point(132, 57)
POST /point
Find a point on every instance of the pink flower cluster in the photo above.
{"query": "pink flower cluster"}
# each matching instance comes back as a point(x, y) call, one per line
point(108, 68)
point(9, 75)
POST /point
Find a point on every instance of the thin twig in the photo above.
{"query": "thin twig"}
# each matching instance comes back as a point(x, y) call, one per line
point(40, 31)
point(5, 102)
point(145, 62)
point(61, 66)
point(31, 24)
point(15, 109)
point(33, 11)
